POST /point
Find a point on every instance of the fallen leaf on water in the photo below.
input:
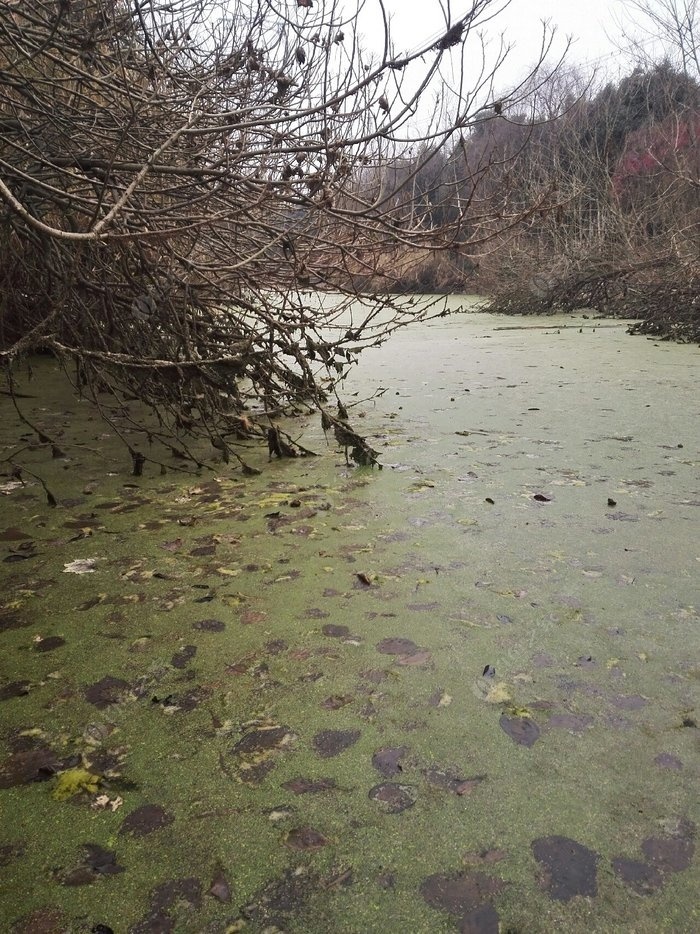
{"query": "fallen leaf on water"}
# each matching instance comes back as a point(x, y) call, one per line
point(249, 617)
point(386, 760)
point(102, 802)
point(629, 701)
point(481, 920)
point(220, 888)
point(279, 814)
point(276, 900)
point(48, 644)
point(185, 893)
point(669, 854)
point(107, 691)
point(460, 893)
point(665, 760)
point(497, 693)
point(232, 599)
point(264, 739)
point(336, 701)
point(10, 487)
point(414, 659)
point(209, 625)
point(145, 820)
point(643, 878)
point(397, 645)
point(521, 729)
point(569, 868)
point(27, 766)
point(338, 632)
point(572, 723)
point(449, 780)
point(74, 782)
point(183, 656)
point(137, 575)
point(329, 743)
point(101, 861)
point(393, 798)
point(493, 692)
point(440, 698)
point(419, 485)
point(93, 602)
point(305, 838)
point(15, 556)
point(80, 566)
point(344, 877)
point(174, 545)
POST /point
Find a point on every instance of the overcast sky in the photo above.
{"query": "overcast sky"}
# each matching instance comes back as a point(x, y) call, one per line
point(592, 25)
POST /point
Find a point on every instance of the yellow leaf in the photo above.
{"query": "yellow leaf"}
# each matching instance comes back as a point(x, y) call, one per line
point(516, 711)
point(272, 499)
point(498, 694)
point(74, 782)
point(233, 599)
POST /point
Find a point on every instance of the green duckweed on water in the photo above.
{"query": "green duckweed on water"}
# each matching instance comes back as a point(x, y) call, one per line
point(459, 694)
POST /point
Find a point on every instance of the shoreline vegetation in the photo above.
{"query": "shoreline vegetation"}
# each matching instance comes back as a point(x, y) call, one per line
point(661, 296)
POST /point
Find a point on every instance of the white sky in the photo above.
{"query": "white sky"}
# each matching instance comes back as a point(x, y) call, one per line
point(593, 25)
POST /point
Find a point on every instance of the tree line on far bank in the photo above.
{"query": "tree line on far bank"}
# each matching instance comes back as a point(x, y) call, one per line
point(605, 184)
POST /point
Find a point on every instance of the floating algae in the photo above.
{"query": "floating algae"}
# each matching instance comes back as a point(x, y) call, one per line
point(585, 617)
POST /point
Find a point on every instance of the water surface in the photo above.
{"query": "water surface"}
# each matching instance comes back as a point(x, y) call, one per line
point(457, 692)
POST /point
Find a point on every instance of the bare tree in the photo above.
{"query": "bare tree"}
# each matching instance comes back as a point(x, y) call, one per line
point(663, 28)
point(177, 175)
point(624, 234)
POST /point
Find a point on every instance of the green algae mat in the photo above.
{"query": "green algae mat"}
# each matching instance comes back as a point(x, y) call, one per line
point(456, 694)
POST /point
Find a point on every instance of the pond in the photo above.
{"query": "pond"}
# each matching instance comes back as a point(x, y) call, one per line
point(456, 694)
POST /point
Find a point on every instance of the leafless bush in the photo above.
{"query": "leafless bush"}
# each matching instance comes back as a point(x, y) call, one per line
point(178, 176)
